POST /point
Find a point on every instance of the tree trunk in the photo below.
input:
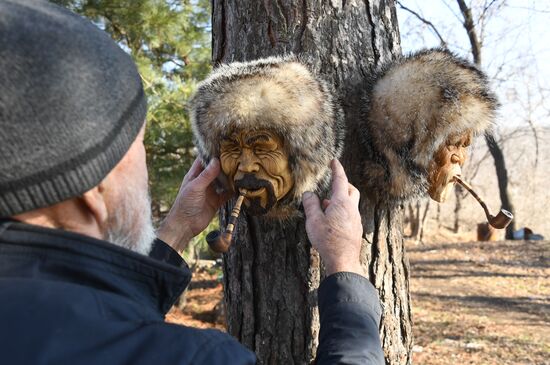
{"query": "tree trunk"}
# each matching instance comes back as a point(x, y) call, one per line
point(271, 274)
point(458, 208)
point(502, 177)
point(438, 216)
point(494, 148)
point(414, 219)
point(420, 237)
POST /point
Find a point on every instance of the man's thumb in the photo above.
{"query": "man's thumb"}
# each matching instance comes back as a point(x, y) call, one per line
point(210, 173)
point(312, 205)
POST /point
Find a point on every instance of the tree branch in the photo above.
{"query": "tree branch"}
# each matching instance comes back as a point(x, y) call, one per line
point(470, 29)
point(425, 21)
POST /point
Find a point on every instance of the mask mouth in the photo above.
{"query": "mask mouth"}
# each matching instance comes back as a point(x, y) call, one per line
point(255, 189)
point(254, 193)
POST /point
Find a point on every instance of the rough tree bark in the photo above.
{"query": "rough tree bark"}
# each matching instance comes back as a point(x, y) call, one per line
point(271, 273)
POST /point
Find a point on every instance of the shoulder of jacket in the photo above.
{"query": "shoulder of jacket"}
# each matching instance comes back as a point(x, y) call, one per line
point(208, 346)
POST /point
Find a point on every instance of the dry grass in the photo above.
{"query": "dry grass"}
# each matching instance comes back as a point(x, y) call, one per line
point(202, 307)
point(481, 302)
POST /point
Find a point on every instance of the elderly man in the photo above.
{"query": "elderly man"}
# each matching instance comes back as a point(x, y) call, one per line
point(84, 278)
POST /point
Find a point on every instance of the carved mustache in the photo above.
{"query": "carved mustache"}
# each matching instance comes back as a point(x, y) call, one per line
point(251, 182)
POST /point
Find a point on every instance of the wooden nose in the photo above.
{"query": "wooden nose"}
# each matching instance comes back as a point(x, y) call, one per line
point(248, 162)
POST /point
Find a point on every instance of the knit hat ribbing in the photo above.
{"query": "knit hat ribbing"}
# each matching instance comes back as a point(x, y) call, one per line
point(71, 104)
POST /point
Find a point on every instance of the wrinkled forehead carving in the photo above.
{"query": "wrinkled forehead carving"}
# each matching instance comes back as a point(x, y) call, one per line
point(248, 138)
point(460, 140)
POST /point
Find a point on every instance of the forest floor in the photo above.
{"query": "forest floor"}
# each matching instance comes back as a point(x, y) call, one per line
point(481, 302)
point(473, 303)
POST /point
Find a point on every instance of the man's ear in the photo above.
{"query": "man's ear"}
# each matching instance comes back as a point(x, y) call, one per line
point(94, 199)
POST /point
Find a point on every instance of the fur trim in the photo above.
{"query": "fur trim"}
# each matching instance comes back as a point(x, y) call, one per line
point(280, 94)
point(414, 105)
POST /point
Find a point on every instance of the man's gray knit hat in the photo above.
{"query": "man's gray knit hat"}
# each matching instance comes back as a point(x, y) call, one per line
point(71, 104)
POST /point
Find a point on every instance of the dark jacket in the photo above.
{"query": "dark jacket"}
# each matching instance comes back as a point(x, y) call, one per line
point(71, 299)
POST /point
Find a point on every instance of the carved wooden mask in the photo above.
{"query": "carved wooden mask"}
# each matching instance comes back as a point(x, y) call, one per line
point(447, 163)
point(257, 161)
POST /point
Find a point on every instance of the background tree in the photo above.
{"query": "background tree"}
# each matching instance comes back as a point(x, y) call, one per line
point(170, 42)
point(494, 148)
point(415, 218)
point(271, 273)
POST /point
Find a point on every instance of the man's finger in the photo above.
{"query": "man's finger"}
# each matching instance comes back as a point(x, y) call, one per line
point(312, 205)
point(194, 171)
point(325, 203)
point(209, 174)
point(354, 194)
point(339, 181)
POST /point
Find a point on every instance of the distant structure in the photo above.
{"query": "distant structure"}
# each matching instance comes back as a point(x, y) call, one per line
point(486, 233)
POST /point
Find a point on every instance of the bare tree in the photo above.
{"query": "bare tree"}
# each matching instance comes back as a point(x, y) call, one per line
point(494, 148)
point(416, 219)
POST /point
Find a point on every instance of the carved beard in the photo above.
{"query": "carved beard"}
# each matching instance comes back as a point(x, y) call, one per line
point(442, 182)
point(250, 182)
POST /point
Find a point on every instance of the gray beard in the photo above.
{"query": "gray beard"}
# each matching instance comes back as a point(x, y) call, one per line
point(130, 224)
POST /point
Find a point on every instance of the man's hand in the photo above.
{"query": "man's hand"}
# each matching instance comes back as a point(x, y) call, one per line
point(195, 205)
point(336, 232)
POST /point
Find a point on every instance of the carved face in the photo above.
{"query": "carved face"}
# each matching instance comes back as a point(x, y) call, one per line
point(258, 162)
point(447, 163)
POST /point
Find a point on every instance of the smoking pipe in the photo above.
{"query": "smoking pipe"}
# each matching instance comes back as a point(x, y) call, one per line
point(501, 220)
point(220, 242)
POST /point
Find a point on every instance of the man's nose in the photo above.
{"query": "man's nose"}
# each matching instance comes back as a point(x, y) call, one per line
point(248, 162)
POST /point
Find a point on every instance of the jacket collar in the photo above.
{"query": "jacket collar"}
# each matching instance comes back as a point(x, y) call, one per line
point(84, 260)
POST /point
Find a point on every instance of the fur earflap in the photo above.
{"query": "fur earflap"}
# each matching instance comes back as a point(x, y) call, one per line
point(280, 94)
point(414, 105)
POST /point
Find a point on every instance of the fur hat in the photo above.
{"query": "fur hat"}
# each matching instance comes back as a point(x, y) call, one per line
point(413, 106)
point(280, 94)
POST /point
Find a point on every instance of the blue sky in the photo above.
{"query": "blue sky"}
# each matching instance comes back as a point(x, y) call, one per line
point(515, 55)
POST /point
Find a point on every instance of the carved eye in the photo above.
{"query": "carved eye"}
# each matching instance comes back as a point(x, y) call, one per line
point(232, 150)
point(455, 159)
